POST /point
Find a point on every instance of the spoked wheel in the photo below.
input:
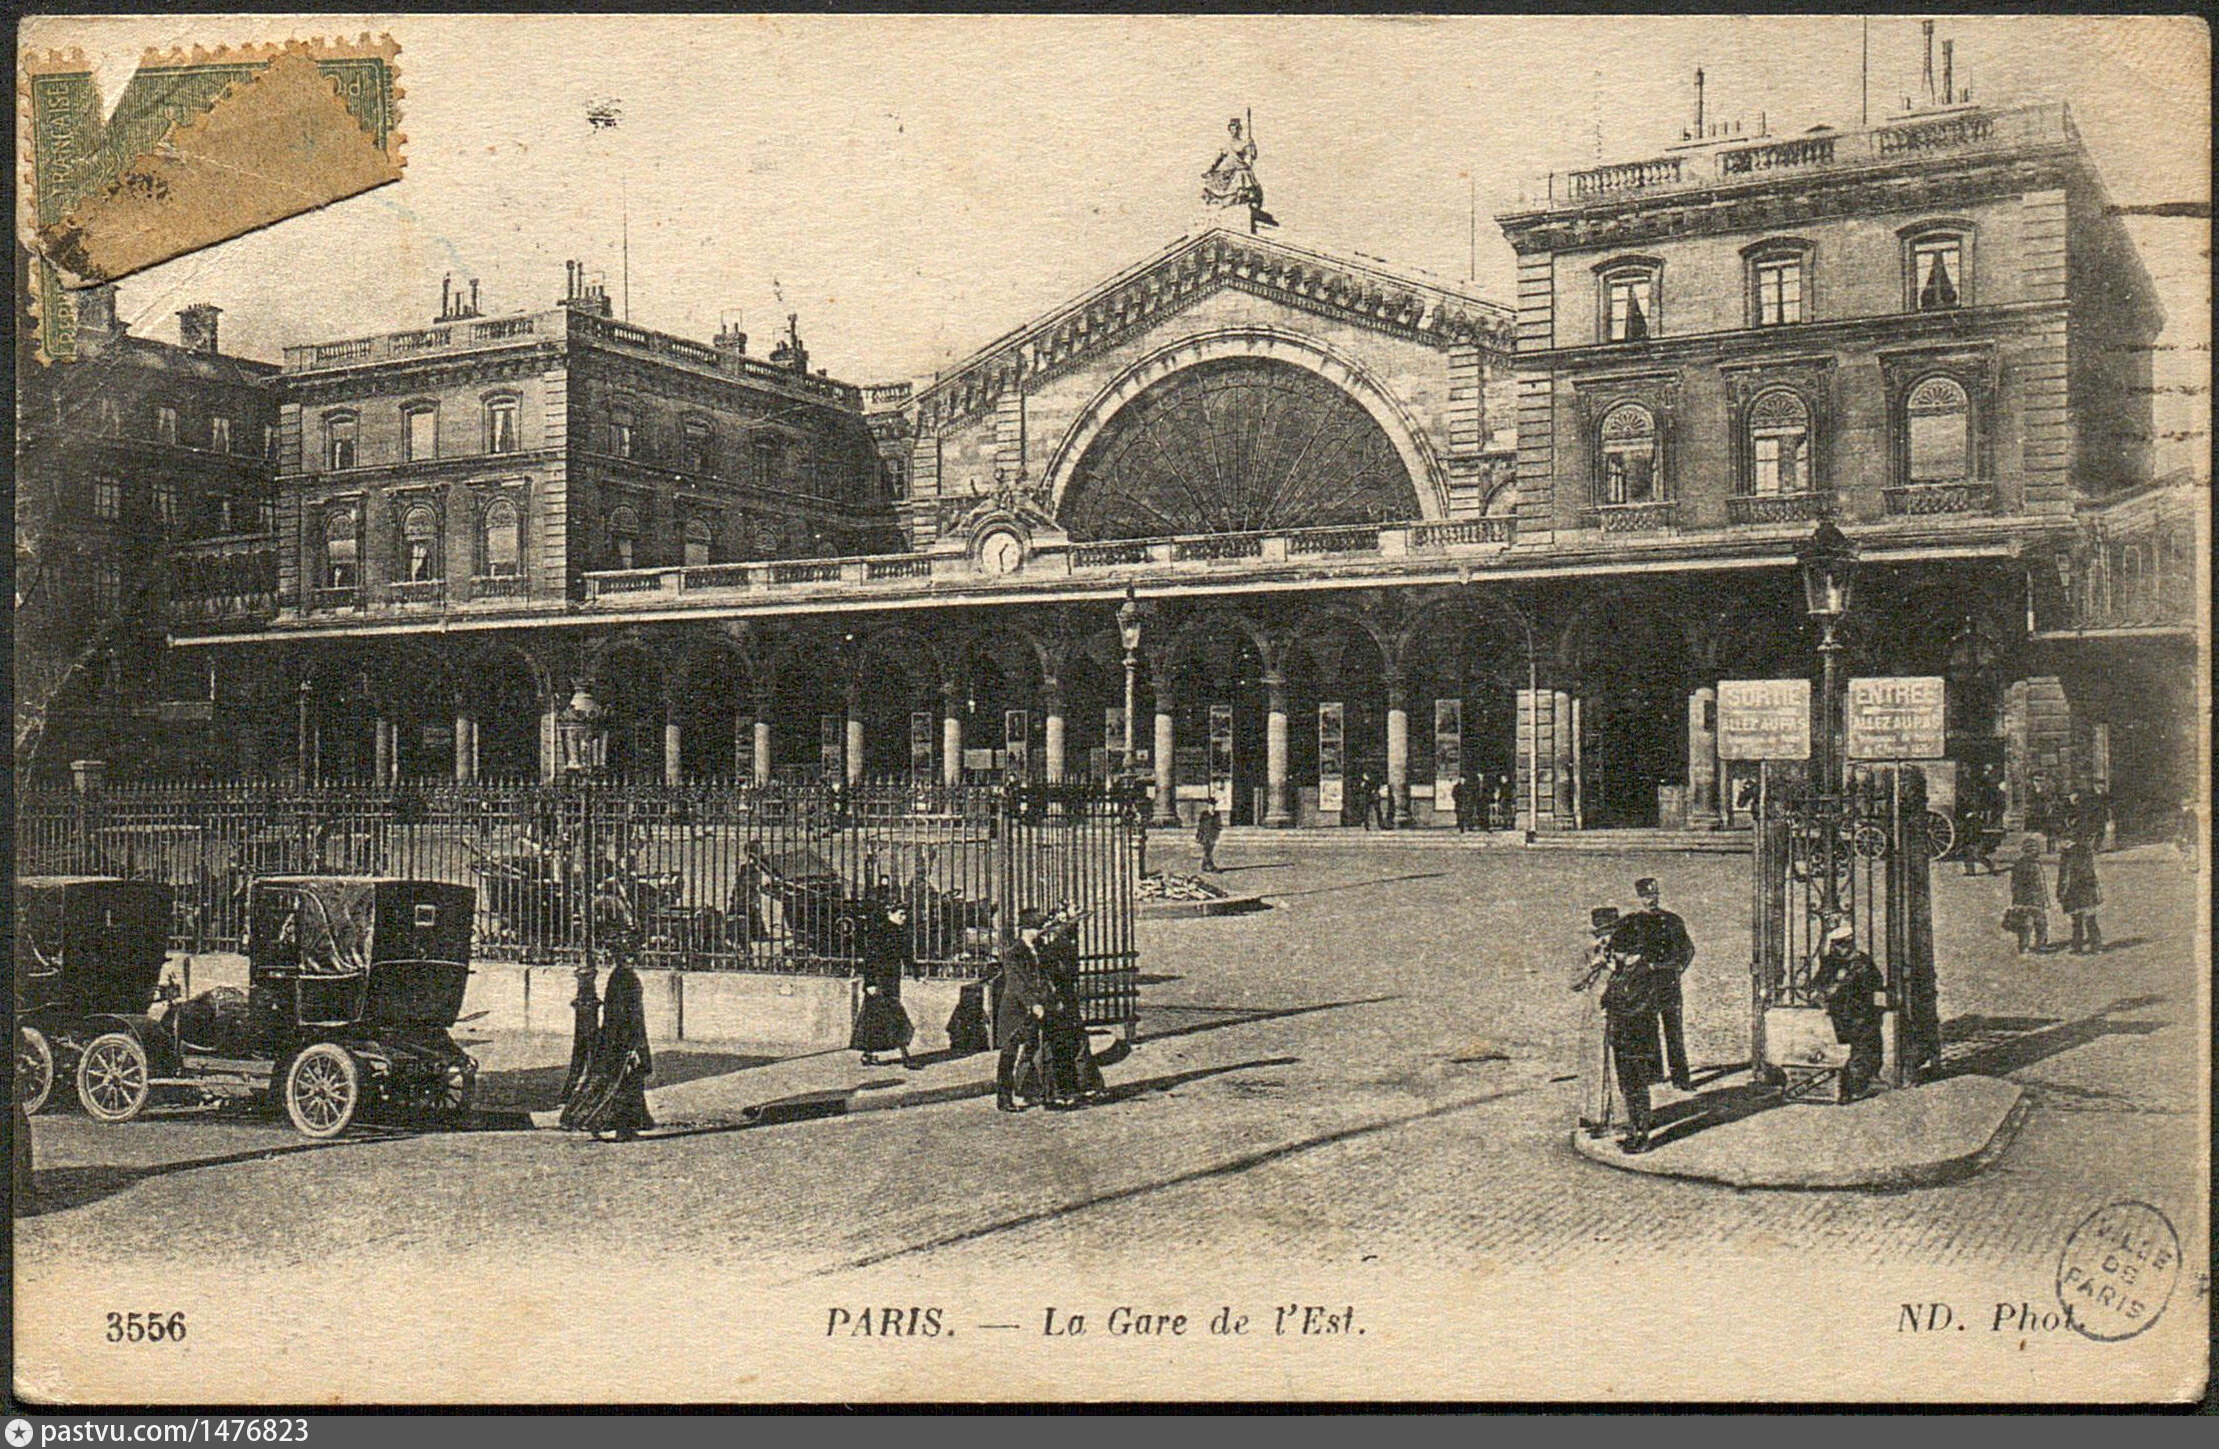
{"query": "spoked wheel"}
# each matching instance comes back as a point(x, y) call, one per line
point(34, 1068)
point(1941, 835)
point(451, 1095)
point(323, 1087)
point(1870, 841)
point(112, 1077)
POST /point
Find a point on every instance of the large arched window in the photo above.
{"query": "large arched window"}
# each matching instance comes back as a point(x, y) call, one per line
point(697, 542)
point(1937, 431)
point(502, 552)
point(342, 543)
point(624, 532)
point(1629, 456)
point(1779, 443)
point(420, 545)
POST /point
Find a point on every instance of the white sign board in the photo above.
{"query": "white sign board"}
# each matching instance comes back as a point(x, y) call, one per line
point(1897, 719)
point(1764, 719)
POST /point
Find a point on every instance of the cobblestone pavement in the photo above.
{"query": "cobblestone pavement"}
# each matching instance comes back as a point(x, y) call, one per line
point(1377, 1075)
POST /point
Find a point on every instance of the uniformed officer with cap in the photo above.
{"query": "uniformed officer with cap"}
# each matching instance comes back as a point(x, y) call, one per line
point(1020, 1006)
point(1856, 1000)
point(1660, 937)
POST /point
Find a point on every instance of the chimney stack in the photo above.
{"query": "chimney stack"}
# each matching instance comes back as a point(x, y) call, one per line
point(473, 296)
point(196, 326)
point(447, 296)
point(1949, 73)
point(96, 309)
point(1698, 103)
point(730, 338)
point(1927, 27)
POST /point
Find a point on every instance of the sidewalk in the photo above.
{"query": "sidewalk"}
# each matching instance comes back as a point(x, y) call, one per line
point(1592, 842)
point(1735, 1133)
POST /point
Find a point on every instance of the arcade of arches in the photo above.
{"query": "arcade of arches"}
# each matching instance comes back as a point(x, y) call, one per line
point(1560, 704)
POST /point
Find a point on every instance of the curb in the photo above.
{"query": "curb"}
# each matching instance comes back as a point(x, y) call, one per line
point(1168, 910)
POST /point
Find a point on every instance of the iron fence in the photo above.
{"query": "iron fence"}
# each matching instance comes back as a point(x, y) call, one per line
point(771, 878)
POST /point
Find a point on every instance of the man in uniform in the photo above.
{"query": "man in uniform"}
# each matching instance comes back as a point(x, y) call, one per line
point(1630, 1024)
point(1021, 1005)
point(1660, 937)
point(1856, 999)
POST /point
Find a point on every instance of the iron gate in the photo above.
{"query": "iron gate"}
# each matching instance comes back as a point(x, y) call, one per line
point(1862, 856)
point(758, 878)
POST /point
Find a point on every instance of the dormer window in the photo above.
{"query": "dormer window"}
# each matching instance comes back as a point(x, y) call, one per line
point(1631, 292)
point(1937, 274)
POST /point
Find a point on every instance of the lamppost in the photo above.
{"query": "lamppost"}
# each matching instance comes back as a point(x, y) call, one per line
point(1130, 616)
point(1828, 561)
point(578, 734)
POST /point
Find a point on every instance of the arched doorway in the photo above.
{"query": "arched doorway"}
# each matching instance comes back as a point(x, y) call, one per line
point(628, 685)
point(1629, 656)
point(904, 683)
point(504, 705)
point(1004, 729)
point(1217, 678)
point(1465, 667)
point(1232, 445)
point(1337, 706)
point(716, 699)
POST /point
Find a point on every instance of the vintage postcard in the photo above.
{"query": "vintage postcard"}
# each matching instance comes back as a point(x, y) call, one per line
point(898, 709)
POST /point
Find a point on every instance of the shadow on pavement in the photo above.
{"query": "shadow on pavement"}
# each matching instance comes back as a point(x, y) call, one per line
point(535, 1089)
point(1243, 1016)
point(1354, 885)
point(58, 1189)
point(1999, 1046)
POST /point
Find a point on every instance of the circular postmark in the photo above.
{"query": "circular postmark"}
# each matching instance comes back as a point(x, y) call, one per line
point(2118, 1271)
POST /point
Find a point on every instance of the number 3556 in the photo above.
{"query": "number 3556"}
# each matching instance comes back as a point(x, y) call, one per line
point(146, 1327)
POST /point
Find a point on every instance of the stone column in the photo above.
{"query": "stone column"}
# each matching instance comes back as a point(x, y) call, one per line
point(385, 763)
point(1166, 751)
point(1562, 755)
point(951, 736)
point(304, 736)
point(550, 747)
point(465, 751)
point(762, 759)
point(853, 755)
point(673, 739)
point(1398, 746)
point(1276, 812)
point(1702, 759)
point(1052, 729)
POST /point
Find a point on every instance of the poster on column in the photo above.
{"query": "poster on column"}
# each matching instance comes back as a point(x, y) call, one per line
point(1221, 759)
point(1017, 743)
point(920, 745)
point(1330, 761)
point(831, 748)
point(1764, 719)
point(1448, 753)
point(1902, 718)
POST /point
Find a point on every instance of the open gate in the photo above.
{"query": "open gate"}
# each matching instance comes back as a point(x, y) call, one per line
point(1077, 846)
point(1862, 856)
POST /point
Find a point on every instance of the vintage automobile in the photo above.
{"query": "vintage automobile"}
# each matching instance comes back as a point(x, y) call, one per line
point(88, 960)
point(352, 985)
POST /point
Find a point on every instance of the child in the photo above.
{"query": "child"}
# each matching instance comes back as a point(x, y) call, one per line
point(2029, 912)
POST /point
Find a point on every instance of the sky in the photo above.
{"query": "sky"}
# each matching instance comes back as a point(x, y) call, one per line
point(915, 186)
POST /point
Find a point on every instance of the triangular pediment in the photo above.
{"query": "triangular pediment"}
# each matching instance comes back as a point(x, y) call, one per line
point(1344, 289)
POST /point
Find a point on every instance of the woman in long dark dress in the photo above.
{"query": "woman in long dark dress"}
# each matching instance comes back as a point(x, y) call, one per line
point(2078, 894)
point(882, 1025)
point(612, 1096)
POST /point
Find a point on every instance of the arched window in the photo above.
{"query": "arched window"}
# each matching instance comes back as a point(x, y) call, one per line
point(624, 532)
point(420, 545)
point(697, 542)
point(1937, 427)
point(342, 558)
point(339, 440)
point(501, 539)
point(1629, 455)
point(1779, 444)
point(500, 425)
point(1502, 501)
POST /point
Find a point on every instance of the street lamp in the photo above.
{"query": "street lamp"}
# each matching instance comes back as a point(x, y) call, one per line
point(1130, 616)
point(1828, 561)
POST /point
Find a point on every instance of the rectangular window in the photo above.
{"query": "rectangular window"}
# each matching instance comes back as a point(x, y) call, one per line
point(1937, 274)
point(269, 442)
point(423, 435)
point(165, 424)
point(169, 506)
point(1779, 292)
point(107, 586)
point(219, 434)
point(1632, 306)
point(339, 443)
point(620, 437)
point(500, 426)
point(107, 498)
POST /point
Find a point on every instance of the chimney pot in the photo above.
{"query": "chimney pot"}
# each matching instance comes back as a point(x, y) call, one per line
point(196, 326)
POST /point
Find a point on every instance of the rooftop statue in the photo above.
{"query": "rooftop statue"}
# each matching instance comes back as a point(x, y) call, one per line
point(1231, 180)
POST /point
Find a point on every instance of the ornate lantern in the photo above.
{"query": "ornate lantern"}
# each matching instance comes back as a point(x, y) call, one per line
point(579, 733)
point(1829, 562)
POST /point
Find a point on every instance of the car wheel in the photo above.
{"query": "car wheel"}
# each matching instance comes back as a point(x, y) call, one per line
point(112, 1077)
point(453, 1091)
point(34, 1068)
point(323, 1087)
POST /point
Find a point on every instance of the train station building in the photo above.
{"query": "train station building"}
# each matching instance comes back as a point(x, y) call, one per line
point(1379, 528)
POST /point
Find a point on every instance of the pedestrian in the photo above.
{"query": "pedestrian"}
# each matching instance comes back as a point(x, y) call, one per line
point(882, 1025)
point(611, 1095)
point(1630, 1022)
point(1207, 828)
point(1660, 937)
point(585, 1008)
point(1458, 807)
point(1855, 995)
point(2028, 914)
point(1506, 812)
point(2078, 894)
point(1595, 1099)
point(2186, 834)
point(1367, 804)
point(1066, 1055)
point(1384, 803)
point(1020, 1006)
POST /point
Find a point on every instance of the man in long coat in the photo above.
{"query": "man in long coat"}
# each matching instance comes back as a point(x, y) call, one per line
point(1852, 987)
point(1630, 1023)
point(1020, 1006)
point(1660, 937)
point(1063, 1029)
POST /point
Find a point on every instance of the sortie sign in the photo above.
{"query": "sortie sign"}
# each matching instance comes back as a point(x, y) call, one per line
point(1896, 719)
point(1764, 719)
